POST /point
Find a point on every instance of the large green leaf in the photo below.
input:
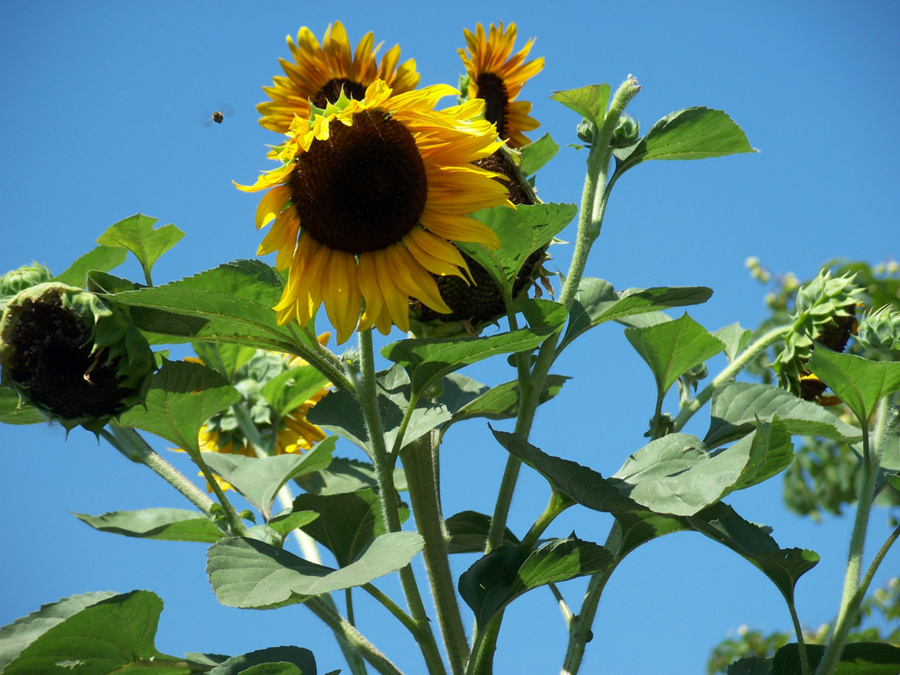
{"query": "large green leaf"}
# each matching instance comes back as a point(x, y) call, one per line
point(156, 523)
point(857, 658)
point(590, 102)
point(259, 479)
point(340, 412)
point(860, 383)
point(428, 360)
point(110, 636)
point(136, 234)
point(736, 406)
point(230, 303)
point(22, 632)
point(182, 396)
point(502, 402)
point(596, 301)
point(251, 574)
point(535, 155)
point(692, 133)
point(673, 347)
point(522, 231)
point(15, 411)
point(224, 357)
point(287, 660)
point(734, 338)
point(346, 475)
point(508, 572)
point(347, 523)
point(469, 531)
point(293, 388)
point(103, 258)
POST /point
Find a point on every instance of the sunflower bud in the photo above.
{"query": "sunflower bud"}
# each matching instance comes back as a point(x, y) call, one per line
point(18, 280)
point(73, 355)
point(825, 313)
point(627, 131)
point(880, 331)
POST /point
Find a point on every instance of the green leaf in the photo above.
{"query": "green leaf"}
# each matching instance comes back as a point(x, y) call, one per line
point(347, 523)
point(857, 658)
point(15, 411)
point(860, 383)
point(502, 402)
point(102, 258)
point(769, 451)
point(231, 303)
point(182, 396)
point(541, 313)
point(293, 388)
point(251, 574)
point(750, 665)
point(692, 133)
point(734, 338)
point(522, 231)
point(287, 521)
point(672, 348)
point(259, 479)
point(503, 575)
point(736, 406)
point(346, 475)
point(536, 155)
point(596, 301)
point(136, 234)
point(340, 412)
point(156, 523)
point(272, 661)
point(469, 531)
point(109, 636)
point(224, 357)
point(590, 102)
point(428, 360)
point(22, 632)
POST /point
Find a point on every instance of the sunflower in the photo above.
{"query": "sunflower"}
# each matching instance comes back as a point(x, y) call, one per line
point(320, 72)
point(368, 201)
point(497, 76)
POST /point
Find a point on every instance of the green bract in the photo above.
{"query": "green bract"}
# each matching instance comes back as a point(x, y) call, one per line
point(19, 279)
point(825, 313)
point(880, 331)
point(76, 357)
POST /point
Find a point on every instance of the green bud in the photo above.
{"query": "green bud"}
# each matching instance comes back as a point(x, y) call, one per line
point(73, 355)
point(585, 131)
point(880, 331)
point(18, 280)
point(627, 131)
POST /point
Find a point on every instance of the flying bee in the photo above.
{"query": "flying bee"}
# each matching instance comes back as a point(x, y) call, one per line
point(218, 117)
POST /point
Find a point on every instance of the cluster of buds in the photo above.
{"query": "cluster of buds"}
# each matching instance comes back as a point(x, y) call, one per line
point(824, 313)
point(70, 353)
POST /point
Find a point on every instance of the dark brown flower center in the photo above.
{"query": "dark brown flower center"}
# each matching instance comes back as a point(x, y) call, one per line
point(496, 101)
point(331, 91)
point(53, 362)
point(364, 187)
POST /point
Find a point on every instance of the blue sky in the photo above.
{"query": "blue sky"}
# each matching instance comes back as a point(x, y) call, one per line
point(101, 116)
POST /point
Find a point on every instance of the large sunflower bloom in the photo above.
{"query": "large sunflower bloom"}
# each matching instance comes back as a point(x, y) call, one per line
point(497, 76)
point(320, 72)
point(369, 199)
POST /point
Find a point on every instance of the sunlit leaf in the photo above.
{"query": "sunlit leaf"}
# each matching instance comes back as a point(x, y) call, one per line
point(736, 405)
point(535, 155)
point(672, 348)
point(156, 523)
point(103, 258)
point(502, 402)
point(692, 133)
point(859, 383)
point(287, 660)
point(254, 575)
point(259, 479)
point(224, 357)
point(112, 635)
point(590, 102)
point(734, 338)
point(345, 475)
point(182, 396)
point(136, 233)
point(287, 521)
point(15, 411)
point(542, 313)
point(292, 388)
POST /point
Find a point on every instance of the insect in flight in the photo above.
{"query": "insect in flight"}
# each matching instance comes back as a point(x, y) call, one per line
point(218, 117)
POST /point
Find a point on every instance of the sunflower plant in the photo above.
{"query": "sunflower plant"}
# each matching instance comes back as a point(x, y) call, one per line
point(393, 206)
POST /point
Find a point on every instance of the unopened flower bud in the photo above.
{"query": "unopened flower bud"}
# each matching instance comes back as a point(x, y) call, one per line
point(19, 279)
point(73, 355)
point(627, 131)
point(880, 331)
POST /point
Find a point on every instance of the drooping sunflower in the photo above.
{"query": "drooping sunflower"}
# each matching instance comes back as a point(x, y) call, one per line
point(497, 76)
point(368, 201)
point(320, 72)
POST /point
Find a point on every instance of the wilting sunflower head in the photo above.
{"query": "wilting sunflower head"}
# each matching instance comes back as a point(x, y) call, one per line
point(73, 355)
point(368, 201)
point(497, 76)
point(825, 313)
point(319, 73)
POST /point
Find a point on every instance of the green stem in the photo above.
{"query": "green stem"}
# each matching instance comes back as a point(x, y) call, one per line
point(729, 373)
point(352, 637)
point(131, 444)
point(394, 609)
point(482, 661)
point(555, 506)
point(798, 631)
point(851, 597)
point(418, 463)
point(325, 362)
point(387, 494)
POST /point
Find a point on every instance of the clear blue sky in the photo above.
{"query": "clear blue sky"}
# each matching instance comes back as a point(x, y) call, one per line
point(101, 116)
